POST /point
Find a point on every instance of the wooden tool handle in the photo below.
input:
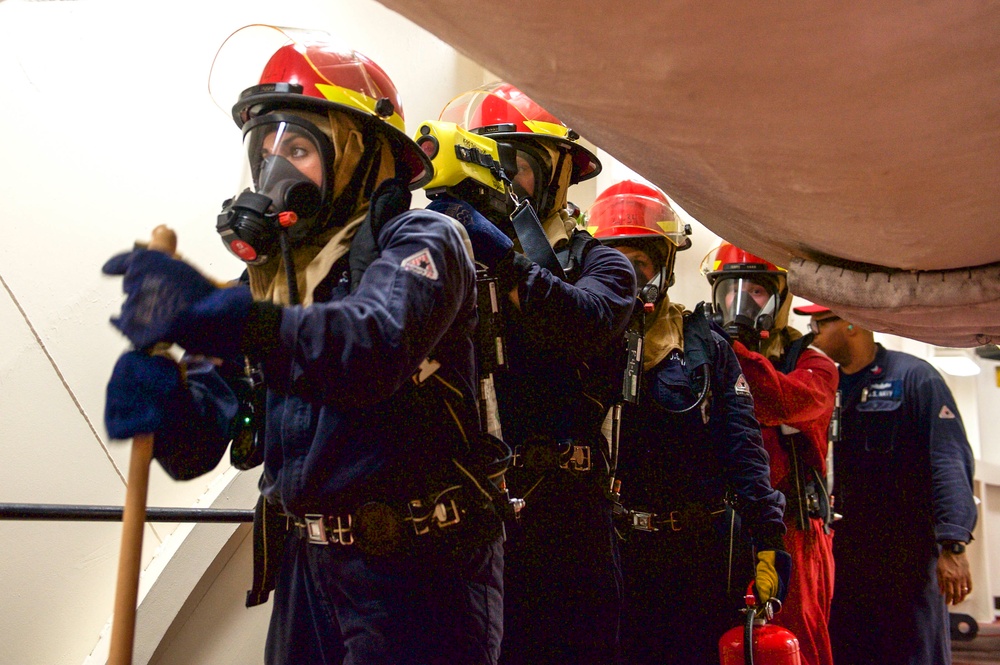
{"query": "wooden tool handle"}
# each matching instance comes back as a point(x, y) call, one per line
point(163, 239)
point(130, 553)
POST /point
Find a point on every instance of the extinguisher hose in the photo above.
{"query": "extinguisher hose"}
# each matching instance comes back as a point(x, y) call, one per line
point(748, 636)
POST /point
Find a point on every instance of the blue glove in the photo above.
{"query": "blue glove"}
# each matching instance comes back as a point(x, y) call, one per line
point(774, 570)
point(168, 300)
point(489, 243)
point(191, 422)
point(140, 395)
point(157, 290)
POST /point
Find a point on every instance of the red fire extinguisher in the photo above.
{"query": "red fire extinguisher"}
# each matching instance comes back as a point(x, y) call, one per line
point(758, 642)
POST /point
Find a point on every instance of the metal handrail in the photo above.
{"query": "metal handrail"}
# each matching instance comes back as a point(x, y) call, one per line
point(84, 513)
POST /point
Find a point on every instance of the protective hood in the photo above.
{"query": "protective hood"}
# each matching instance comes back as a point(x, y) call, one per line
point(312, 265)
point(781, 335)
point(664, 333)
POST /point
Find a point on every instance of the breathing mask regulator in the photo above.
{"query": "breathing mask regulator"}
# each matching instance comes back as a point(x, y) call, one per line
point(283, 190)
point(746, 306)
point(748, 293)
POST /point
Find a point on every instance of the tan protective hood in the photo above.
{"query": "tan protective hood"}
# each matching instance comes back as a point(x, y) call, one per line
point(314, 258)
point(781, 334)
point(664, 333)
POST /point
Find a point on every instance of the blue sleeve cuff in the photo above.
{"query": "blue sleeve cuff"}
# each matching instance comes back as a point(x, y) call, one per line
point(952, 532)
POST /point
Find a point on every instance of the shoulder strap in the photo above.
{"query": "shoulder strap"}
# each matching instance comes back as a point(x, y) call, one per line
point(790, 359)
point(392, 198)
point(533, 240)
point(699, 346)
point(572, 256)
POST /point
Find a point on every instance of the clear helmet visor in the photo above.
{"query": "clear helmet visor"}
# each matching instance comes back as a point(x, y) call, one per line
point(751, 302)
point(498, 107)
point(245, 53)
point(287, 160)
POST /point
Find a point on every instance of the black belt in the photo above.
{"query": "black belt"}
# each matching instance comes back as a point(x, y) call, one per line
point(691, 517)
point(380, 528)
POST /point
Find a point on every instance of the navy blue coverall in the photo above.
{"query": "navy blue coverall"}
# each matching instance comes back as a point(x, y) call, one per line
point(903, 482)
point(346, 426)
point(691, 462)
point(562, 581)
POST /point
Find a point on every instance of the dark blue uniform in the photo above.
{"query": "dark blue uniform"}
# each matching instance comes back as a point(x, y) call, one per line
point(347, 428)
point(700, 466)
point(903, 482)
point(562, 583)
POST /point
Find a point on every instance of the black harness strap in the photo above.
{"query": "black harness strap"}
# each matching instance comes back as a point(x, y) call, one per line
point(810, 499)
point(533, 240)
point(574, 253)
point(392, 198)
point(790, 358)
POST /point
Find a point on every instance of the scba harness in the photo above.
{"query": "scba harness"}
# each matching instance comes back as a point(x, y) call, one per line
point(674, 486)
point(596, 386)
point(809, 497)
point(439, 498)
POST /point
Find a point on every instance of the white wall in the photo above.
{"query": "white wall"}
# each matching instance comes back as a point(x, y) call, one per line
point(109, 131)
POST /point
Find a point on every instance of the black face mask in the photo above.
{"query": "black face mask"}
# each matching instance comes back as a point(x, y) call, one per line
point(282, 198)
point(250, 223)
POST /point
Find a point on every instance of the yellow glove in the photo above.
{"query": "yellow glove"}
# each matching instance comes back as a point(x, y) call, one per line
point(774, 568)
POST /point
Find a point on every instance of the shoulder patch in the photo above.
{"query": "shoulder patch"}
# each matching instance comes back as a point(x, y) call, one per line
point(422, 264)
point(946, 413)
point(742, 387)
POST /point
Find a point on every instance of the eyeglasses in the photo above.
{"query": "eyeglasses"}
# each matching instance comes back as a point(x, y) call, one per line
point(816, 324)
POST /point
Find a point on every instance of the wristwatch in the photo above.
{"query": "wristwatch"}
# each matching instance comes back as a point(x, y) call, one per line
point(953, 546)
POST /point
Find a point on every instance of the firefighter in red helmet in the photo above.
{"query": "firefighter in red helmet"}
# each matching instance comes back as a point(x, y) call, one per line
point(794, 390)
point(567, 302)
point(691, 464)
point(380, 516)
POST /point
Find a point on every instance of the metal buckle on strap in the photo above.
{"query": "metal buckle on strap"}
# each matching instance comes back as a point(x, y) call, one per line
point(318, 532)
point(648, 521)
point(674, 519)
point(643, 521)
point(316, 529)
point(443, 514)
point(578, 459)
point(342, 535)
point(517, 460)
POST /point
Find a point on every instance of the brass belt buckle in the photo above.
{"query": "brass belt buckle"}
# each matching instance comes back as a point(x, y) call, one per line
point(674, 519)
point(343, 535)
point(578, 460)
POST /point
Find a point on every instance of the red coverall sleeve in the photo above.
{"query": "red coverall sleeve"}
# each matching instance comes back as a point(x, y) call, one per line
point(803, 398)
